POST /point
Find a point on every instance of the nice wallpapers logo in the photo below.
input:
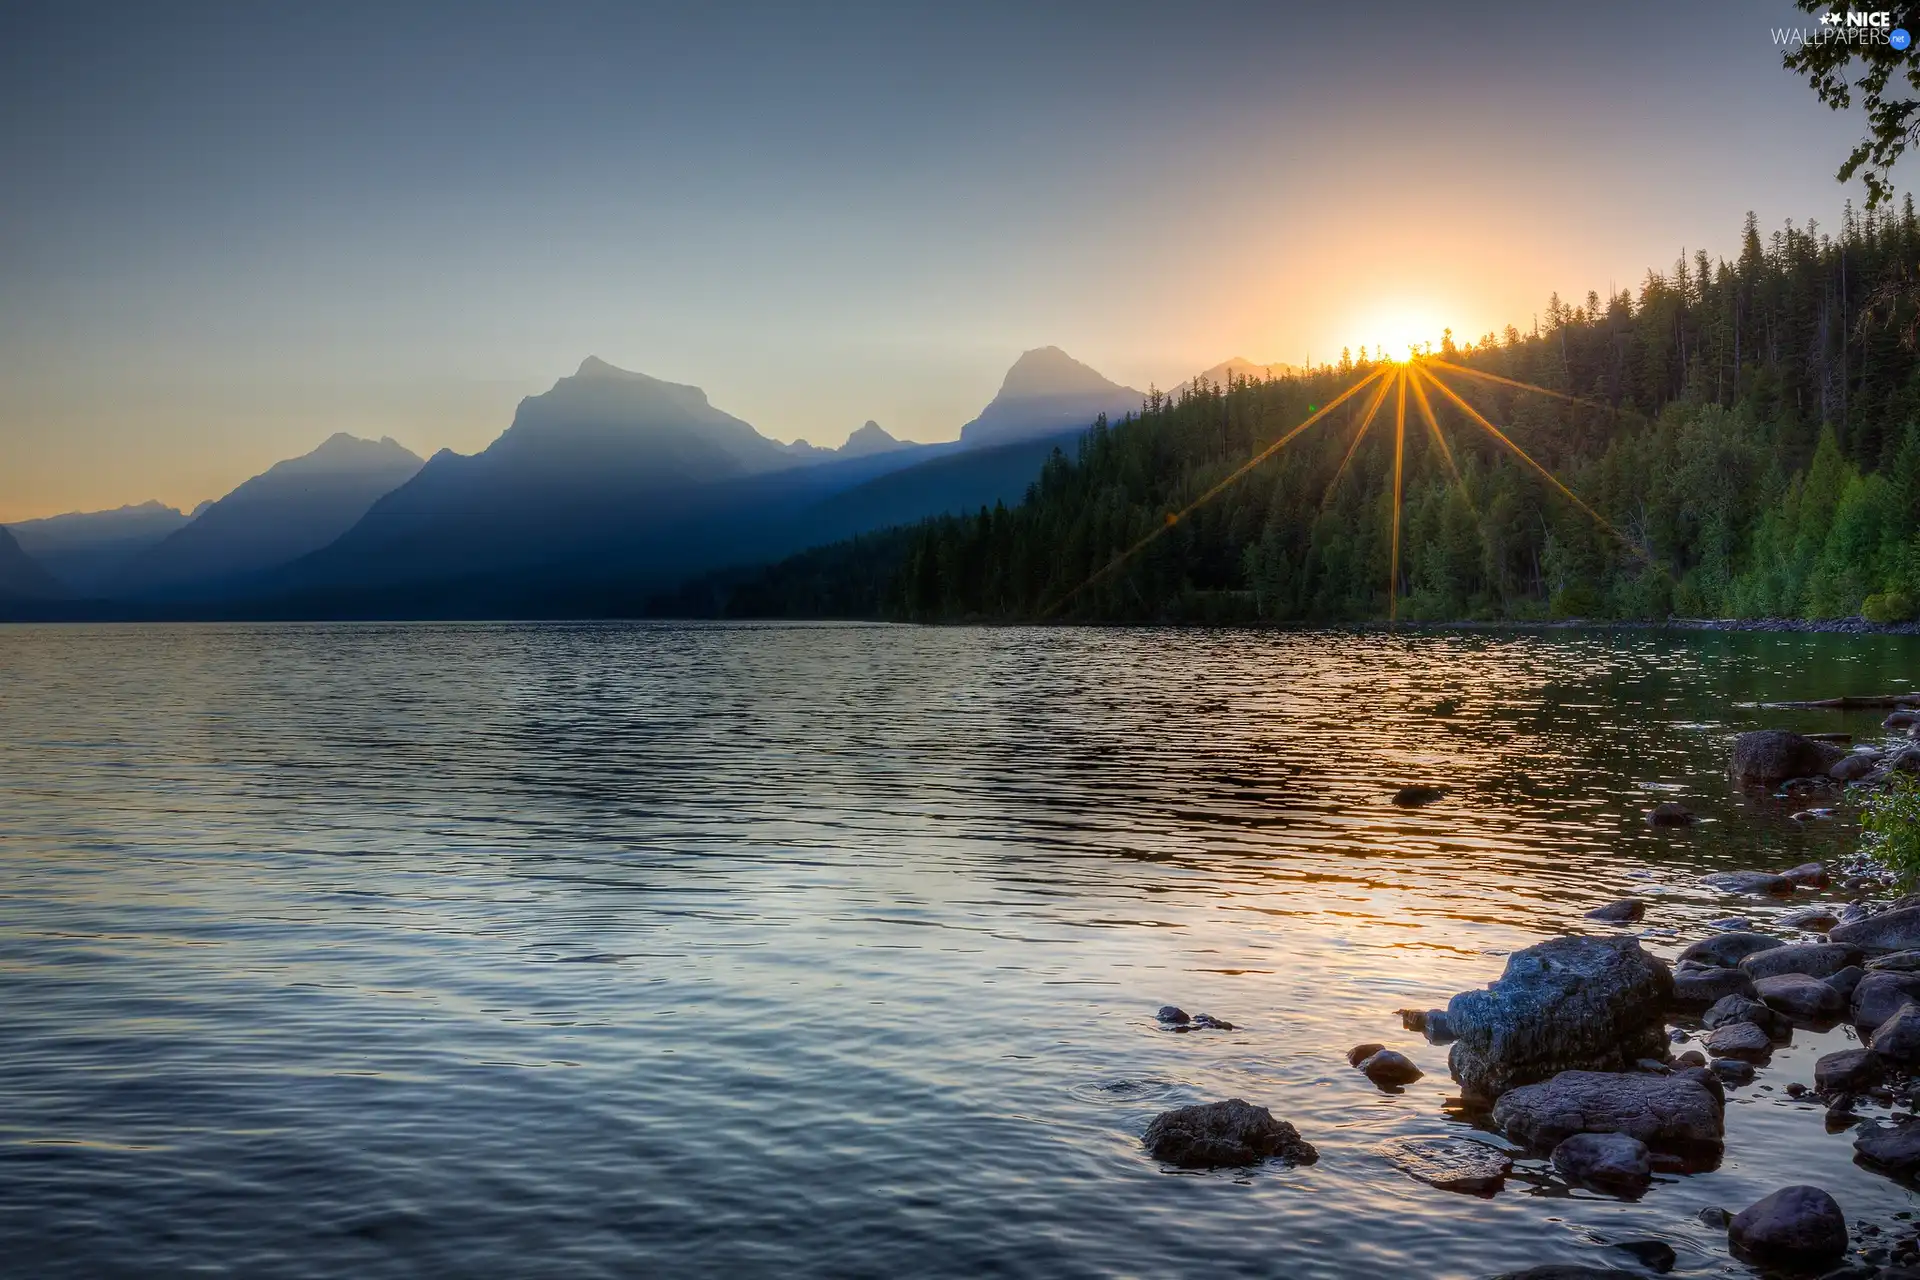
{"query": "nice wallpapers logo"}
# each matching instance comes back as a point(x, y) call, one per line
point(1849, 26)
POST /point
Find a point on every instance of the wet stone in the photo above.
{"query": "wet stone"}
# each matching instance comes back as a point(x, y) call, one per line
point(1234, 1133)
point(1451, 1164)
point(1742, 1040)
point(1795, 1226)
point(1625, 911)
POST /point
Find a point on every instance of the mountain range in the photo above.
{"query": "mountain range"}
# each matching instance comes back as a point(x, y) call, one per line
point(604, 491)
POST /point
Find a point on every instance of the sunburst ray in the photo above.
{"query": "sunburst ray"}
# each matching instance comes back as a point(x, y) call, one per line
point(1399, 453)
point(1373, 408)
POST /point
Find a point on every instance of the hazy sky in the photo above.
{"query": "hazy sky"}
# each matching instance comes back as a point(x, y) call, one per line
point(229, 231)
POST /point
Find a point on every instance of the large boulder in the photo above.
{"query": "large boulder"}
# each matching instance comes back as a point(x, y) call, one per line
point(1592, 1003)
point(1768, 757)
point(1676, 1112)
point(1880, 995)
point(1798, 996)
point(1225, 1134)
point(1723, 949)
point(1815, 959)
point(1896, 930)
point(1793, 1227)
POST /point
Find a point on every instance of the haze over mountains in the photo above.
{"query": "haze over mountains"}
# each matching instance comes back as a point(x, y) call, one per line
point(608, 488)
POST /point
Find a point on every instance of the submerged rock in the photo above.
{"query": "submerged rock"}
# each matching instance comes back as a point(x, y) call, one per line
point(1733, 1070)
point(1764, 883)
point(1625, 911)
point(1571, 1002)
point(1730, 924)
point(1565, 1271)
point(1390, 1070)
point(1670, 813)
point(1724, 949)
point(1815, 959)
point(1678, 1111)
point(1361, 1052)
point(1895, 930)
point(1172, 1015)
point(1893, 1149)
point(1768, 757)
point(1415, 796)
point(1809, 875)
point(1610, 1161)
point(1798, 996)
point(1794, 1227)
point(1452, 1164)
point(1225, 1134)
point(1812, 919)
point(1655, 1255)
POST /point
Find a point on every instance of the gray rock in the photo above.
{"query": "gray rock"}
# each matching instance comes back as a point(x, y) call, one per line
point(1901, 720)
point(1898, 1038)
point(1896, 962)
point(1625, 911)
point(1733, 1070)
point(1655, 1255)
point(1813, 815)
point(1892, 1149)
point(1740, 1040)
point(1723, 949)
point(1794, 1227)
point(1571, 1002)
point(1853, 767)
point(1416, 796)
point(1653, 1065)
point(1731, 924)
point(1768, 757)
point(1758, 883)
point(1451, 1164)
point(1390, 1070)
point(1678, 1111)
point(1207, 1022)
point(1798, 996)
point(1706, 1078)
point(1691, 1058)
point(1696, 987)
point(1361, 1052)
point(1880, 995)
point(1737, 1009)
point(1847, 981)
point(1896, 930)
point(1610, 1161)
point(1670, 813)
point(1808, 875)
point(1812, 919)
point(1225, 1134)
point(1847, 1071)
point(1173, 1015)
point(1815, 959)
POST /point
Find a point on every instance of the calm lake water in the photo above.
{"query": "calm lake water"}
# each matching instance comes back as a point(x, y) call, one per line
point(832, 951)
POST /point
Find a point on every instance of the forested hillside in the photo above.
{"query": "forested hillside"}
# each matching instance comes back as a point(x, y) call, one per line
point(1751, 430)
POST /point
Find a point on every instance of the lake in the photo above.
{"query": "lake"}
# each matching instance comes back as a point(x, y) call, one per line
point(589, 950)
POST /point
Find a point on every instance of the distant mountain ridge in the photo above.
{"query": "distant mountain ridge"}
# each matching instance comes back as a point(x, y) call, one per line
point(1240, 367)
point(86, 550)
point(21, 577)
point(288, 510)
point(1045, 393)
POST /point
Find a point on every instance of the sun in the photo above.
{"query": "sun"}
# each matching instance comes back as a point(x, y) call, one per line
point(1396, 331)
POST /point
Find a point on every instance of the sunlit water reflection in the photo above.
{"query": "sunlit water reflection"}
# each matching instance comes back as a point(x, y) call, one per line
point(608, 950)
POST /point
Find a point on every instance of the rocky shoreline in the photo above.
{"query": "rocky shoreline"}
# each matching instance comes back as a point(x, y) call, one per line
point(1611, 1065)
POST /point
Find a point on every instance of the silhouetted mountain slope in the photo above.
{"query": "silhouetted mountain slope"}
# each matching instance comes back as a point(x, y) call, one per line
point(1240, 367)
point(1047, 393)
point(286, 511)
point(20, 576)
point(870, 438)
point(85, 550)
